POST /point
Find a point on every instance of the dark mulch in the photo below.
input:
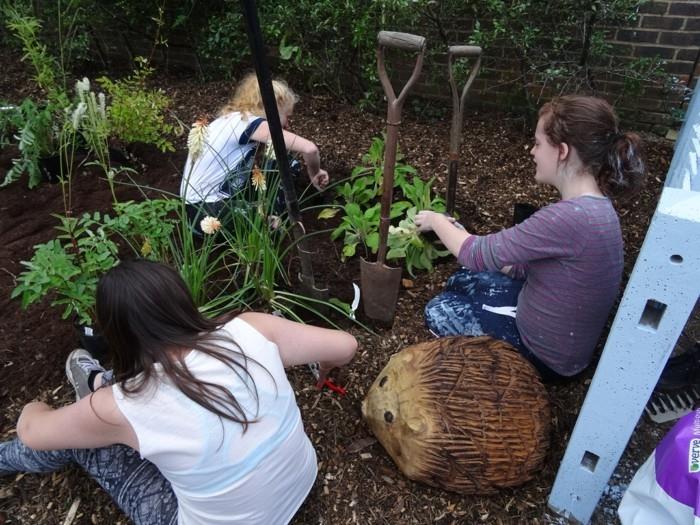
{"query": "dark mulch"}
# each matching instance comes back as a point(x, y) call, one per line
point(357, 482)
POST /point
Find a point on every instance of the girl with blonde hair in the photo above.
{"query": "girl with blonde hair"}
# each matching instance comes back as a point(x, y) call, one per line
point(220, 170)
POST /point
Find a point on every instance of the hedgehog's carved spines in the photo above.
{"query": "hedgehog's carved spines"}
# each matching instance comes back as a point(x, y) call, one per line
point(467, 414)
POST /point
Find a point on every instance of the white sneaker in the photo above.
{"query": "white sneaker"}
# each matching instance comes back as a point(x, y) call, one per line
point(79, 365)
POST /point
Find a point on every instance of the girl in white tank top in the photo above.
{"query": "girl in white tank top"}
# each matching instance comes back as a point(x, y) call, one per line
point(200, 425)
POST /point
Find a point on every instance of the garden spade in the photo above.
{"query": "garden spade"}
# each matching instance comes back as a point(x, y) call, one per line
point(380, 283)
point(458, 103)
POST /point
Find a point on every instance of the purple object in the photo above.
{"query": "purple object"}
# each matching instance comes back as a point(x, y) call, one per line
point(570, 254)
point(678, 461)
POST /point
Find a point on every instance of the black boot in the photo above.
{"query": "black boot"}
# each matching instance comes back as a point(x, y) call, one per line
point(681, 371)
point(521, 211)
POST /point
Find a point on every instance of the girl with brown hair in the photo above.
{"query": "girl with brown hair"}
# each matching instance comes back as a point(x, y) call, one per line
point(197, 423)
point(548, 284)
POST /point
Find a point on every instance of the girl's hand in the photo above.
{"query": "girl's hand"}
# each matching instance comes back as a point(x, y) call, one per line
point(320, 180)
point(323, 370)
point(425, 220)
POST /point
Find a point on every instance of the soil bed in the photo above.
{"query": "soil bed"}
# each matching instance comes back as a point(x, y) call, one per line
point(357, 482)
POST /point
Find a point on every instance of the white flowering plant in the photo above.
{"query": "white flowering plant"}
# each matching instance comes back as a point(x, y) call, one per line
point(89, 117)
point(406, 242)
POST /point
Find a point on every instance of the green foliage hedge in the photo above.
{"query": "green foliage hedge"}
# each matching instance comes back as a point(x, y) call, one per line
point(330, 44)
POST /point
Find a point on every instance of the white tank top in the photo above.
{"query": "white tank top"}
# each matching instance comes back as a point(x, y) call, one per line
point(218, 473)
point(227, 143)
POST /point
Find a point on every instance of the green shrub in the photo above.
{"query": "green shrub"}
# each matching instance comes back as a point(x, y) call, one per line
point(69, 267)
point(359, 226)
point(136, 113)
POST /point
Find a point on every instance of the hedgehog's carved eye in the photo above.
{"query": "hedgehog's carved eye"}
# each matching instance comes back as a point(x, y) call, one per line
point(383, 381)
point(388, 417)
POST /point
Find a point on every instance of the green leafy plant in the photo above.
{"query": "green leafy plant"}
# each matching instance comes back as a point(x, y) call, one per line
point(359, 190)
point(34, 123)
point(38, 125)
point(372, 171)
point(558, 49)
point(223, 42)
point(359, 226)
point(339, 54)
point(136, 113)
point(26, 29)
point(11, 120)
point(69, 267)
point(420, 195)
point(147, 226)
point(36, 139)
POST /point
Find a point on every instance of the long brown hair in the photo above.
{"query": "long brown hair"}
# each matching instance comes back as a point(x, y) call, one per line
point(590, 125)
point(145, 312)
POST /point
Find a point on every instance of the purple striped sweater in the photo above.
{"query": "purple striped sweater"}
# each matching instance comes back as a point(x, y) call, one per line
point(570, 255)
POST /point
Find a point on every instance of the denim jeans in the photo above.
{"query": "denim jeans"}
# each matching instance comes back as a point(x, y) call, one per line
point(481, 303)
point(136, 485)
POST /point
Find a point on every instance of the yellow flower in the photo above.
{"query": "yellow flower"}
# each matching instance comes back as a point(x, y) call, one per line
point(258, 179)
point(146, 249)
point(197, 138)
point(210, 225)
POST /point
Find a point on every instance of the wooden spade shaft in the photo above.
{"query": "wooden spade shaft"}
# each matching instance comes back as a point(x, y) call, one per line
point(380, 283)
point(458, 103)
point(407, 42)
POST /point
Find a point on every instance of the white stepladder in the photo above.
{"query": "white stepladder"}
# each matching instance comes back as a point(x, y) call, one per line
point(659, 298)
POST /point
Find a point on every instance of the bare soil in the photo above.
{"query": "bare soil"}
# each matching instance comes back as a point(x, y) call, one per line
point(357, 481)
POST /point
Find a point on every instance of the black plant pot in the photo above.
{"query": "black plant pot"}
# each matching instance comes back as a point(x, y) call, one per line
point(51, 167)
point(521, 211)
point(93, 342)
point(117, 157)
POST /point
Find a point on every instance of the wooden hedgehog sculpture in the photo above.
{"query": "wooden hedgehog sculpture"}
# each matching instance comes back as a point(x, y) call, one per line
point(466, 414)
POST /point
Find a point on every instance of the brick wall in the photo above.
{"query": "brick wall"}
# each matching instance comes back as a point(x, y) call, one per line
point(670, 30)
point(667, 29)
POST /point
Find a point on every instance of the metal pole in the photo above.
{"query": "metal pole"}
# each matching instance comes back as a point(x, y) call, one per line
point(272, 114)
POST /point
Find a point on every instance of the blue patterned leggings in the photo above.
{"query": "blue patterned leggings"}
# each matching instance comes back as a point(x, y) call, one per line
point(136, 485)
point(479, 303)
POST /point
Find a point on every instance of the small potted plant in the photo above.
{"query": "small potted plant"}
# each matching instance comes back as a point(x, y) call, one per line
point(68, 268)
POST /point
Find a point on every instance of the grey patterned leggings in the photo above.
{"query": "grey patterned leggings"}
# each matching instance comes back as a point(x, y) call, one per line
point(136, 485)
